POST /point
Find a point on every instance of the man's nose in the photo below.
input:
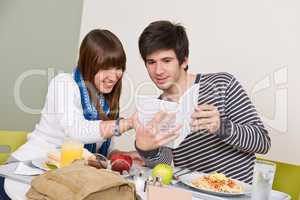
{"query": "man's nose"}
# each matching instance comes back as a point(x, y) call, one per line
point(159, 68)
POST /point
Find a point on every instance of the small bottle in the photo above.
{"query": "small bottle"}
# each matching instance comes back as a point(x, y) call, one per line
point(158, 181)
point(139, 182)
point(148, 182)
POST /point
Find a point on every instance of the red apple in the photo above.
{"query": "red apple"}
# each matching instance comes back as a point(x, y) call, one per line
point(120, 162)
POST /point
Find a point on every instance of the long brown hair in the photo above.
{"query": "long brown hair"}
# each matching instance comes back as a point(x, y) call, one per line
point(101, 50)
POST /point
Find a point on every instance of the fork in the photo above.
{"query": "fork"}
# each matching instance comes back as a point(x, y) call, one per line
point(176, 175)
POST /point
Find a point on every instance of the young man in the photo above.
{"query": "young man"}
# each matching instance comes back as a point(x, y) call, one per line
point(226, 130)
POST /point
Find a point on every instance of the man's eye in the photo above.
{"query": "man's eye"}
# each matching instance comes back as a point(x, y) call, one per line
point(150, 62)
point(167, 60)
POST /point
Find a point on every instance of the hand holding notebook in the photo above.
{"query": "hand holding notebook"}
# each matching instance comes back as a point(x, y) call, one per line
point(148, 106)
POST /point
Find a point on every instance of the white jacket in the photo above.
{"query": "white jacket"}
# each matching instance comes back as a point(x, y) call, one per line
point(61, 118)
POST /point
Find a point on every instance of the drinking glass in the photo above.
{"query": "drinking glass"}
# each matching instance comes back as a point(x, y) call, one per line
point(70, 150)
point(263, 177)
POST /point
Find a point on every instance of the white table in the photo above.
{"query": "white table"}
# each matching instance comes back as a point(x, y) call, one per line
point(17, 190)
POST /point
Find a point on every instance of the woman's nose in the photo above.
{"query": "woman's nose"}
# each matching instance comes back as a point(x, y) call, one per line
point(114, 75)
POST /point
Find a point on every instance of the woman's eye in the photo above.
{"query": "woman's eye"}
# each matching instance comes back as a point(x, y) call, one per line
point(117, 70)
point(120, 72)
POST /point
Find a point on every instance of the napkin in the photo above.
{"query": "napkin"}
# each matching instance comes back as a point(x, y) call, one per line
point(23, 169)
point(154, 193)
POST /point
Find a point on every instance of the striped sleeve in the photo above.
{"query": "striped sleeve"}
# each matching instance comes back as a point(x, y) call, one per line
point(242, 126)
point(157, 156)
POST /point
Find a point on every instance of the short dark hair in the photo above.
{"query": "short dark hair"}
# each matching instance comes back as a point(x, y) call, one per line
point(164, 35)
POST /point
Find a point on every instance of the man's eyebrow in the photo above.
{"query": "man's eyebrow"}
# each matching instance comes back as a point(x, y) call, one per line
point(168, 57)
point(163, 58)
point(150, 59)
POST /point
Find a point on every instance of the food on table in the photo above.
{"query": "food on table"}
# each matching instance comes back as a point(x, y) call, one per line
point(121, 162)
point(164, 171)
point(217, 182)
point(54, 158)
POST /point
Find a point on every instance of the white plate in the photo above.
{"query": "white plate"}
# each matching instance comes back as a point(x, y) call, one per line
point(188, 178)
point(40, 163)
point(132, 172)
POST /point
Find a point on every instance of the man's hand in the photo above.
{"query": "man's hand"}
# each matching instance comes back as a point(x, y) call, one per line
point(150, 137)
point(136, 158)
point(206, 117)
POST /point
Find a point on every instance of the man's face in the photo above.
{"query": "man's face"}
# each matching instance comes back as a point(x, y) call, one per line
point(164, 69)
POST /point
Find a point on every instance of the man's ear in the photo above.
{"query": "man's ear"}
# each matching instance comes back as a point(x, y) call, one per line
point(185, 63)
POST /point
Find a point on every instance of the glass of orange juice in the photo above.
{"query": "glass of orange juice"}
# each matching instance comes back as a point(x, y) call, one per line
point(70, 150)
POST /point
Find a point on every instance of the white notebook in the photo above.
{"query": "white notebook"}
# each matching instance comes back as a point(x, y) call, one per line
point(147, 106)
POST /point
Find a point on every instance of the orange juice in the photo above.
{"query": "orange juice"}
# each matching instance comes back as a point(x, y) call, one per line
point(70, 151)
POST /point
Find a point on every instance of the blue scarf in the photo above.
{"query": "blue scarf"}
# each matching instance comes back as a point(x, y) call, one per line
point(90, 112)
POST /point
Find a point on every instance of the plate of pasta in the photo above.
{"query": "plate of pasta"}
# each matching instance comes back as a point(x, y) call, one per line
point(215, 183)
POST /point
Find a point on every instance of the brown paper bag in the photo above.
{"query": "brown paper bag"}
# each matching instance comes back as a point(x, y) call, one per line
point(80, 182)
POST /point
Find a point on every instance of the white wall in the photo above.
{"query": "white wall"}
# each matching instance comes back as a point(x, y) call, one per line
point(257, 41)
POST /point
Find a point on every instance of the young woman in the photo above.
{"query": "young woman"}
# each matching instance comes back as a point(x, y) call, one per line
point(83, 105)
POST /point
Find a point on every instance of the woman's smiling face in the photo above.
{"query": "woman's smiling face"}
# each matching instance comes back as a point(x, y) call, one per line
point(105, 80)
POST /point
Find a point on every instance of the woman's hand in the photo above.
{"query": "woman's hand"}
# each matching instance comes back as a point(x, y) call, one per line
point(151, 137)
point(107, 127)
